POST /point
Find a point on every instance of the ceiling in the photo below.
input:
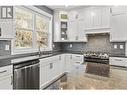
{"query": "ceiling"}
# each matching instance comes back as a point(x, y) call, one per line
point(63, 7)
point(69, 7)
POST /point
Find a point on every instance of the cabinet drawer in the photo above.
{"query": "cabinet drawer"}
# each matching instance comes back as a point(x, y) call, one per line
point(6, 70)
point(118, 61)
point(77, 58)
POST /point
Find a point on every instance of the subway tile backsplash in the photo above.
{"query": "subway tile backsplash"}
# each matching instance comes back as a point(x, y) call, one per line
point(5, 47)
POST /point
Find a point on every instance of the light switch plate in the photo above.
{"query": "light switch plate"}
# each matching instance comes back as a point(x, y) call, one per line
point(7, 47)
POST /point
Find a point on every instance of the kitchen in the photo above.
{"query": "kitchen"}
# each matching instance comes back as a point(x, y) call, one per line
point(63, 47)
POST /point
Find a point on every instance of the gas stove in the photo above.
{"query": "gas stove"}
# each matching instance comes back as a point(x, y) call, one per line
point(97, 57)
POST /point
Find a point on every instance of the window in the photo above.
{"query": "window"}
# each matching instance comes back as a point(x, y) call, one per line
point(42, 28)
point(33, 30)
point(23, 29)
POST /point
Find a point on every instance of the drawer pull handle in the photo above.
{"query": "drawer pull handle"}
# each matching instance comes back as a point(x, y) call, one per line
point(51, 65)
point(118, 59)
point(3, 71)
point(77, 62)
point(77, 56)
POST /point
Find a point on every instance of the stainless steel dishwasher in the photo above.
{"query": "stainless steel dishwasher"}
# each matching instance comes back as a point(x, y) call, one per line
point(26, 75)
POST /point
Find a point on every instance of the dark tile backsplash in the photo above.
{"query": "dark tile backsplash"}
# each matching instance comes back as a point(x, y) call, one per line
point(96, 43)
point(118, 50)
point(3, 44)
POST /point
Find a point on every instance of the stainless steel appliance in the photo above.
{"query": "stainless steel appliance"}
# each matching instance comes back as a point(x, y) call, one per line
point(97, 63)
point(97, 57)
point(26, 75)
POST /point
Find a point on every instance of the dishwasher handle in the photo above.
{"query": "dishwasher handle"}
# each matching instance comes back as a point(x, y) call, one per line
point(27, 67)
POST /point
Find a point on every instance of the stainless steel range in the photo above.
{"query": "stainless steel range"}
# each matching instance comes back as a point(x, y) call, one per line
point(97, 57)
point(97, 63)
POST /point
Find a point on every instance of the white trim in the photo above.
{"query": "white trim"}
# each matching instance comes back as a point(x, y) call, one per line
point(34, 48)
point(37, 10)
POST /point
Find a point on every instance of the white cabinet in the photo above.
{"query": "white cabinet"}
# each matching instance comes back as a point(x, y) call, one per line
point(72, 30)
point(6, 29)
point(72, 59)
point(60, 26)
point(118, 61)
point(51, 68)
point(6, 77)
point(118, 27)
point(62, 65)
point(97, 18)
point(72, 15)
point(88, 18)
point(77, 59)
point(119, 9)
point(76, 26)
point(68, 60)
point(105, 17)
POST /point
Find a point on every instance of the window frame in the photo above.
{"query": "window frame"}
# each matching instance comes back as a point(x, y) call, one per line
point(35, 11)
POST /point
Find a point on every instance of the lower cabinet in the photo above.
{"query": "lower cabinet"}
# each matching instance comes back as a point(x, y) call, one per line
point(72, 59)
point(118, 61)
point(52, 67)
point(6, 74)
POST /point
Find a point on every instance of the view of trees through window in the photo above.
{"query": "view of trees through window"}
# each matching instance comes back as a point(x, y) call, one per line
point(26, 32)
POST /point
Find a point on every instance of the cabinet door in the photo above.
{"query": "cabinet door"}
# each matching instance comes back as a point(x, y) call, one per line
point(69, 62)
point(105, 17)
point(72, 15)
point(119, 9)
point(119, 27)
point(62, 64)
point(43, 75)
point(96, 14)
point(81, 30)
point(52, 71)
point(80, 13)
point(6, 29)
point(88, 15)
point(6, 82)
point(72, 30)
point(57, 35)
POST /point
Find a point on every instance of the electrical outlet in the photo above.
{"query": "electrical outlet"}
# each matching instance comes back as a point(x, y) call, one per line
point(70, 45)
point(53, 45)
point(7, 47)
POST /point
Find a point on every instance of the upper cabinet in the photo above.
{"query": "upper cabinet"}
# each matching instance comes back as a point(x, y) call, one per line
point(97, 18)
point(119, 27)
point(76, 26)
point(70, 29)
point(82, 21)
point(6, 29)
point(119, 9)
point(118, 23)
point(60, 26)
